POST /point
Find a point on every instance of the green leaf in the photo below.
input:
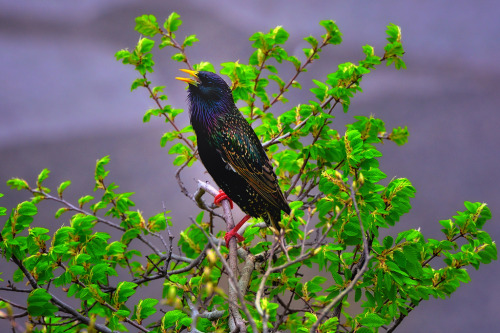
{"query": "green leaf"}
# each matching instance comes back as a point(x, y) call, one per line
point(330, 325)
point(280, 35)
point(388, 241)
point(394, 33)
point(147, 25)
point(145, 45)
point(145, 308)
point(399, 135)
point(62, 187)
point(312, 41)
point(204, 66)
point(173, 22)
point(123, 55)
point(333, 34)
point(123, 291)
point(295, 61)
point(100, 174)
point(278, 80)
point(27, 208)
point(168, 136)
point(42, 176)
point(189, 40)
point(39, 303)
point(172, 317)
point(372, 320)
point(139, 82)
point(180, 57)
point(83, 200)
point(18, 184)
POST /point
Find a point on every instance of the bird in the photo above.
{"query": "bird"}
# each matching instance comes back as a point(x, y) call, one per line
point(231, 152)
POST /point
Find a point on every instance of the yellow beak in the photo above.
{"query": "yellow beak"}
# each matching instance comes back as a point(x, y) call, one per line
point(189, 80)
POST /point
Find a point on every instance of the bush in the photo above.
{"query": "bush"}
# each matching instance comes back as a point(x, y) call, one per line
point(298, 279)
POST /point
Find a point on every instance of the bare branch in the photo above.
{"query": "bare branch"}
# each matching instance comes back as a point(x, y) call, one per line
point(13, 304)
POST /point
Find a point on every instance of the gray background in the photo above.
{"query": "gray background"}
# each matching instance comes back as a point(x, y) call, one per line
point(65, 102)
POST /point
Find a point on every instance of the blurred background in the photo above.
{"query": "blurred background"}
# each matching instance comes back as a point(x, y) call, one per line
point(65, 102)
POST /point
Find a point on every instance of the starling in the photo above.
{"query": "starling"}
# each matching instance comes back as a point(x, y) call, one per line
point(231, 151)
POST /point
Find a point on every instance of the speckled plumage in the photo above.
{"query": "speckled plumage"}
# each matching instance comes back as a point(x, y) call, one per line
point(232, 152)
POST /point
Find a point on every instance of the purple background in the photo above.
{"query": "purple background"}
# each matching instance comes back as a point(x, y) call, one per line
point(65, 102)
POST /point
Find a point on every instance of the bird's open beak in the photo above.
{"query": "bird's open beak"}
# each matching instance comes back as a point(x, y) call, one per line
point(194, 81)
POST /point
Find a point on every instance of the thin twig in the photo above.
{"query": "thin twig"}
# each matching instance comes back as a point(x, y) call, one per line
point(147, 85)
point(13, 304)
point(279, 138)
point(170, 244)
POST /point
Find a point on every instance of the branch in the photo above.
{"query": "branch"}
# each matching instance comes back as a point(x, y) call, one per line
point(195, 314)
point(106, 304)
point(246, 272)
point(177, 46)
point(193, 263)
point(361, 272)
point(299, 70)
point(60, 304)
point(234, 291)
point(260, 291)
point(233, 283)
point(72, 207)
point(147, 85)
point(170, 245)
point(400, 319)
point(13, 304)
point(287, 135)
point(259, 71)
point(14, 289)
point(196, 197)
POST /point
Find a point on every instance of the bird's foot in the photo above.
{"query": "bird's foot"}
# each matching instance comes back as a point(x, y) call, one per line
point(232, 234)
point(234, 231)
point(222, 196)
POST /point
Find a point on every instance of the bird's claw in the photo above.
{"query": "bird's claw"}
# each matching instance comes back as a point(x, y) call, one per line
point(232, 234)
point(222, 196)
point(234, 231)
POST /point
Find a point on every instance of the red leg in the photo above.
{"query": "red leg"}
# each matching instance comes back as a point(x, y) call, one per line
point(222, 196)
point(234, 232)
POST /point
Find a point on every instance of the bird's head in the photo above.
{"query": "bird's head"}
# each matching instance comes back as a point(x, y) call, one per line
point(210, 99)
point(206, 87)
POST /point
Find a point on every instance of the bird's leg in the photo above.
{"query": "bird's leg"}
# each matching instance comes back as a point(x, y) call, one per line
point(234, 231)
point(222, 196)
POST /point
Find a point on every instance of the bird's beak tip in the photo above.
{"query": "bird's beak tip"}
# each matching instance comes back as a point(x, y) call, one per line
point(194, 81)
point(189, 71)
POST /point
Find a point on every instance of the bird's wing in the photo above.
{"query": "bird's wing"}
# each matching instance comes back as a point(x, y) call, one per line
point(243, 151)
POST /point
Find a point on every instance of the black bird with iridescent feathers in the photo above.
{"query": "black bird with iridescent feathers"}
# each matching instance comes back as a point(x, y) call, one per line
point(232, 152)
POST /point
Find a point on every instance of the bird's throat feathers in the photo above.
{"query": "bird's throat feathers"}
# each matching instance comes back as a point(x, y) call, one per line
point(207, 114)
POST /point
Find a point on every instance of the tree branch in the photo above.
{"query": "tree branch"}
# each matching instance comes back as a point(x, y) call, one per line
point(233, 283)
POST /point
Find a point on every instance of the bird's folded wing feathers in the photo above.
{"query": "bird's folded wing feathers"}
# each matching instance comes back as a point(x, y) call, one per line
point(254, 166)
